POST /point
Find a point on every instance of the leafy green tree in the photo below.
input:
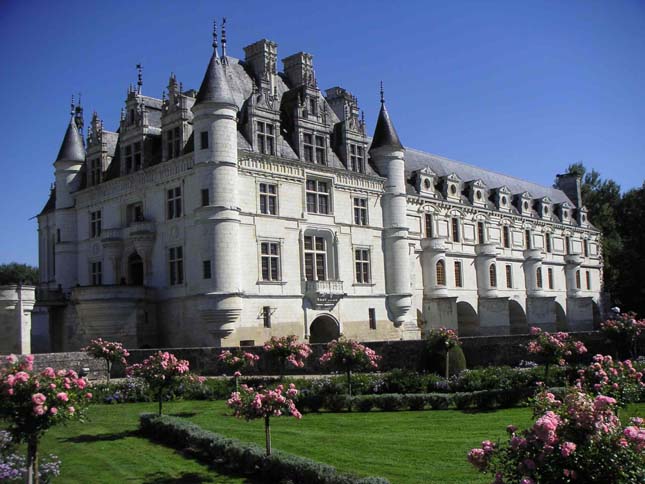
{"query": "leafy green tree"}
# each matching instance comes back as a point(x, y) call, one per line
point(13, 273)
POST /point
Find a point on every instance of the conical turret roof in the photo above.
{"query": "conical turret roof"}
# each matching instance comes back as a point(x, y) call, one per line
point(385, 134)
point(72, 148)
point(215, 87)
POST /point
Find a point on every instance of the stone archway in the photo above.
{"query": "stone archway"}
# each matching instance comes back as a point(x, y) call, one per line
point(135, 269)
point(517, 318)
point(467, 320)
point(324, 329)
point(560, 318)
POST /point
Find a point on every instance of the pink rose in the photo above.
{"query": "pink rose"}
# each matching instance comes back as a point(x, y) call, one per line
point(39, 409)
point(62, 396)
point(71, 410)
point(53, 410)
point(38, 398)
point(567, 449)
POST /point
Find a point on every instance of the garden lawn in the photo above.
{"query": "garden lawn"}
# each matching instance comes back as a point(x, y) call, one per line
point(405, 447)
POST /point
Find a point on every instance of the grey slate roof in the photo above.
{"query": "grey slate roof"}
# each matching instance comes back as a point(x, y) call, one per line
point(72, 148)
point(385, 134)
point(214, 85)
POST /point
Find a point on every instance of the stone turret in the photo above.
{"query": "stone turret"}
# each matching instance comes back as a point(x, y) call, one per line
point(387, 154)
point(215, 130)
point(69, 161)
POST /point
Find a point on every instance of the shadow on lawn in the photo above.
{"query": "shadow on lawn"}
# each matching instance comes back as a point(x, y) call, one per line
point(183, 414)
point(184, 478)
point(87, 438)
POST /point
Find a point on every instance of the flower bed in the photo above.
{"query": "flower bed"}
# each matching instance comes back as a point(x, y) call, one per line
point(246, 458)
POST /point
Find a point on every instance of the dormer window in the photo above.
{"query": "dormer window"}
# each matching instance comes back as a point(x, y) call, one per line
point(452, 187)
point(173, 142)
point(425, 182)
point(313, 106)
point(95, 171)
point(128, 159)
point(502, 198)
point(266, 138)
point(357, 158)
point(308, 147)
point(314, 148)
point(136, 155)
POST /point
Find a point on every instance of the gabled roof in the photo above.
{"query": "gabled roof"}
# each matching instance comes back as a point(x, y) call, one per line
point(72, 148)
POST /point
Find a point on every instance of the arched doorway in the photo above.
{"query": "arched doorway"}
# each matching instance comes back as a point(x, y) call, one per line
point(517, 318)
point(560, 317)
point(467, 319)
point(135, 270)
point(324, 329)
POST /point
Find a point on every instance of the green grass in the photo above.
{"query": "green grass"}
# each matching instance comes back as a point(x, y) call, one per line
point(405, 447)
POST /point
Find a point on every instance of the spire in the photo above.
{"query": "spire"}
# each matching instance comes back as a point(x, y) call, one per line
point(224, 57)
point(72, 147)
point(385, 134)
point(139, 78)
point(215, 87)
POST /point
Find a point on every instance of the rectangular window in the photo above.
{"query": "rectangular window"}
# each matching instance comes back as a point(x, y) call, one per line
point(362, 261)
point(577, 279)
point(538, 277)
point(137, 157)
point(170, 144)
point(204, 140)
point(588, 277)
point(317, 196)
point(268, 198)
point(266, 316)
point(206, 269)
point(360, 211)
point(266, 138)
point(547, 240)
point(313, 106)
point(96, 271)
point(509, 276)
point(176, 265)
point(429, 229)
point(506, 236)
point(458, 277)
point(177, 142)
point(95, 224)
point(567, 245)
point(372, 317)
point(321, 152)
point(174, 202)
point(247, 342)
point(95, 172)
point(57, 235)
point(206, 199)
point(549, 274)
point(585, 247)
point(357, 158)
point(134, 213)
point(480, 233)
point(315, 258)
point(527, 239)
point(308, 146)
point(455, 229)
point(128, 159)
point(270, 261)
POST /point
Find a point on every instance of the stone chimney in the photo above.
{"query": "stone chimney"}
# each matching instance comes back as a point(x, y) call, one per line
point(299, 69)
point(262, 57)
point(569, 183)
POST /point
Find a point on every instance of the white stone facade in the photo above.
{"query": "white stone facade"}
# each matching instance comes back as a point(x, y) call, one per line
point(252, 208)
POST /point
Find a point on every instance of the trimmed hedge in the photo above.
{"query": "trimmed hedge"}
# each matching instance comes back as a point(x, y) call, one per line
point(244, 458)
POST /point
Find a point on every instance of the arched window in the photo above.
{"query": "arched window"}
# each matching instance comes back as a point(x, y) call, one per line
point(492, 272)
point(538, 276)
point(441, 273)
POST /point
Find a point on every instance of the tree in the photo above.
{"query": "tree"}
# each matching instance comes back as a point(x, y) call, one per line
point(14, 273)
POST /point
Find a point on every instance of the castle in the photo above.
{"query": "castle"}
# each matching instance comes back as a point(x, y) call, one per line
point(258, 205)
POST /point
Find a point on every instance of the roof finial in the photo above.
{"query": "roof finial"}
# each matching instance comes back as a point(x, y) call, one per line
point(223, 39)
point(139, 78)
point(215, 36)
point(382, 97)
point(72, 106)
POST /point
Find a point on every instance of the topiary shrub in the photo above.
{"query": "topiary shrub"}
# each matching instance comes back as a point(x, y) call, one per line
point(389, 402)
point(310, 401)
point(457, 361)
point(463, 401)
point(439, 402)
point(403, 381)
point(363, 403)
point(416, 402)
point(337, 402)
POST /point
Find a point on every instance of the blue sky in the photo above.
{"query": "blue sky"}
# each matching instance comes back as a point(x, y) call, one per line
point(523, 88)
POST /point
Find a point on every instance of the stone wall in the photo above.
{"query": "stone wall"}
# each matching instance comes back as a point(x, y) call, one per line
point(479, 351)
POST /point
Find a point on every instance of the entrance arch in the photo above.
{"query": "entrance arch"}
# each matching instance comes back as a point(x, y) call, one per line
point(517, 318)
point(135, 269)
point(560, 317)
point(324, 329)
point(467, 319)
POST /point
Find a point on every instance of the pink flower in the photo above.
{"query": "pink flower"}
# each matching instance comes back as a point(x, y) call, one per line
point(71, 410)
point(53, 410)
point(567, 449)
point(237, 374)
point(49, 372)
point(88, 395)
point(39, 409)
point(38, 398)
point(62, 396)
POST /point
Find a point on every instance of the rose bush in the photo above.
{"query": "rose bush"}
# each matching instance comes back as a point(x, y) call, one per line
point(163, 373)
point(33, 402)
point(554, 348)
point(286, 349)
point(623, 332)
point(617, 379)
point(264, 403)
point(576, 439)
point(236, 361)
point(443, 340)
point(348, 355)
point(110, 351)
